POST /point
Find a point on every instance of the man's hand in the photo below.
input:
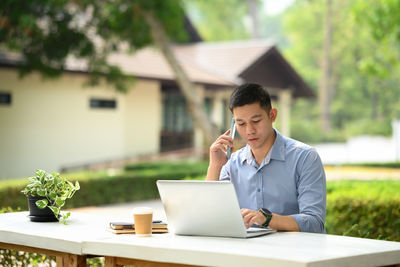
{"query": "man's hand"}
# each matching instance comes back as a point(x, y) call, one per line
point(251, 217)
point(218, 155)
point(218, 149)
point(278, 222)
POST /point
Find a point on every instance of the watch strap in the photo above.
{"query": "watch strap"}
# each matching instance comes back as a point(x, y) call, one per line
point(268, 216)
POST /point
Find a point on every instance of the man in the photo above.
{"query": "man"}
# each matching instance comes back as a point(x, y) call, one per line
point(280, 182)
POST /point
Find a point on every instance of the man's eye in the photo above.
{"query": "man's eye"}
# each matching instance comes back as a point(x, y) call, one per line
point(256, 121)
point(241, 124)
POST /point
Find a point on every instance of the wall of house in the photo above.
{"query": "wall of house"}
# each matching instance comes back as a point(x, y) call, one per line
point(50, 123)
point(143, 121)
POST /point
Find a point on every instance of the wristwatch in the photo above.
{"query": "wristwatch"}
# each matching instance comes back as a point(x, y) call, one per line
point(268, 216)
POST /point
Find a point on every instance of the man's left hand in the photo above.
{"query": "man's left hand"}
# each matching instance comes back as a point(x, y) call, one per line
point(251, 217)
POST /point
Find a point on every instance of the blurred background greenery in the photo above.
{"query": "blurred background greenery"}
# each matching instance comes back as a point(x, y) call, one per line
point(348, 48)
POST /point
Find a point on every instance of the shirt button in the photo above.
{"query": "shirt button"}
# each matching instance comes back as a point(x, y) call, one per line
point(258, 190)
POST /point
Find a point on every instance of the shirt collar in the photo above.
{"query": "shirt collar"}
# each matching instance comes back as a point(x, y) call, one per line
point(277, 151)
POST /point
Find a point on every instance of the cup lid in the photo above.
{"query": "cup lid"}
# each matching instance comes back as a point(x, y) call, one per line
point(142, 210)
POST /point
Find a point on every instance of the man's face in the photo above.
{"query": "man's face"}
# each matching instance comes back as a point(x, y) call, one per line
point(254, 124)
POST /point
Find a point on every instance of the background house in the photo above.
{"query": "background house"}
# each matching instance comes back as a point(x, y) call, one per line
point(52, 124)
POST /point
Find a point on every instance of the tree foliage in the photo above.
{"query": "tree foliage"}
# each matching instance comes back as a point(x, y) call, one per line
point(226, 20)
point(364, 65)
point(219, 20)
point(48, 32)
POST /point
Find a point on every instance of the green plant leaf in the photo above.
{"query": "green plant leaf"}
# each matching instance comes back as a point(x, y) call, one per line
point(52, 195)
point(41, 204)
point(41, 192)
point(40, 173)
point(71, 185)
point(49, 180)
point(65, 217)
point(49, 177)
point(77, 186)
point(60, 202)
point(55, 210)
point(33, 184)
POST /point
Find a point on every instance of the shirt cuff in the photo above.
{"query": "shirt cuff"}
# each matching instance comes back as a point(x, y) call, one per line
point(308, 223)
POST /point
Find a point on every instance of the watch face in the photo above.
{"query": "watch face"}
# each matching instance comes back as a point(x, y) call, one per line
point(266, 212)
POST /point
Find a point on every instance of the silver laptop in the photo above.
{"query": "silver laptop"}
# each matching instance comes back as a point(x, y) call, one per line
point(205, 209)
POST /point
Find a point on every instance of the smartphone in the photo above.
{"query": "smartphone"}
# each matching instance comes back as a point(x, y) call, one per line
point(232, 134)
point(129, 225)
point(121, 225)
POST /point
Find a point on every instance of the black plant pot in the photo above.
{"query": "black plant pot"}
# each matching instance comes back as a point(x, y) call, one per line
point(39, 215)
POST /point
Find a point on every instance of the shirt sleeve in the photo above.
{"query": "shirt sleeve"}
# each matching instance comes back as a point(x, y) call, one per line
point(225, 174)
point(311, 194)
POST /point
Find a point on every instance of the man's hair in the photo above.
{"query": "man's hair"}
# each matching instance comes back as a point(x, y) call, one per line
point(250, 93)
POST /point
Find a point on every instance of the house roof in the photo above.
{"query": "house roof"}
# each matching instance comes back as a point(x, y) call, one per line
point(150, 63)
point(146, 63)
point(247, 61)
point(221, 64)
point(272, 70)
point(226, 58)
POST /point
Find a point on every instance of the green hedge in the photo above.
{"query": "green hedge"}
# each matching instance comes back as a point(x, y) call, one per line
point(395, 165)
point(167, 166)
point(369, 209)
point(127, 186)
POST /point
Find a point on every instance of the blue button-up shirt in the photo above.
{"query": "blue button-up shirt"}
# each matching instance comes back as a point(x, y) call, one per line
point(289, 181)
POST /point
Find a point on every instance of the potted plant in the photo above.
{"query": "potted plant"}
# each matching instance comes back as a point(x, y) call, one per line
point(47, 193)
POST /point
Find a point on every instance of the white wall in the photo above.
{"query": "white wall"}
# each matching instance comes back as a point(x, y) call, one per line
point(362, 149)
point(50, 123)
point(358, 150)
point(143, 119)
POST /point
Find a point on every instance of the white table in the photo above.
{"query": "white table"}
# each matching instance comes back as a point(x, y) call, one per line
point(86, 235)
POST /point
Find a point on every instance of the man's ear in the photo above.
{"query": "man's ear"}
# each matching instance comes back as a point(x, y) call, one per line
point(272, 114)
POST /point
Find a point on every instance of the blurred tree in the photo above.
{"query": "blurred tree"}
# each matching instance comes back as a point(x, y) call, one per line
point(382, 19)
point(46, 32)
point(325, 88)
point(272, 29)
point(253, 11)
point(219, 20)
point(222, 20)
point(370, 102)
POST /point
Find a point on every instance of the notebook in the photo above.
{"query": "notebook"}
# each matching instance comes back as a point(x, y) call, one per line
point(129, 227)
point(203, 208)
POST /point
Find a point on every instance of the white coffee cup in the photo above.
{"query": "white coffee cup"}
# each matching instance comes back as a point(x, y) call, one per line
point(143, 219)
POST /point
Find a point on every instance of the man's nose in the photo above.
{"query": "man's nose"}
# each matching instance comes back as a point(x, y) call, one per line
point(250, 129)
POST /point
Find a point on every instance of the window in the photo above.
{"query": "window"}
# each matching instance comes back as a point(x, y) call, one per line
point(176, 118)
point(5, 99)
point(208, 106)
point(103, 103)
point(177, 127)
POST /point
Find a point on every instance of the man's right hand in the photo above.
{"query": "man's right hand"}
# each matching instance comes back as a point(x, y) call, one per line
point(218, 150)
point(218, 155)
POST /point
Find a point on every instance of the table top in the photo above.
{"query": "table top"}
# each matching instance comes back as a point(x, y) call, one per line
point(86, 234)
